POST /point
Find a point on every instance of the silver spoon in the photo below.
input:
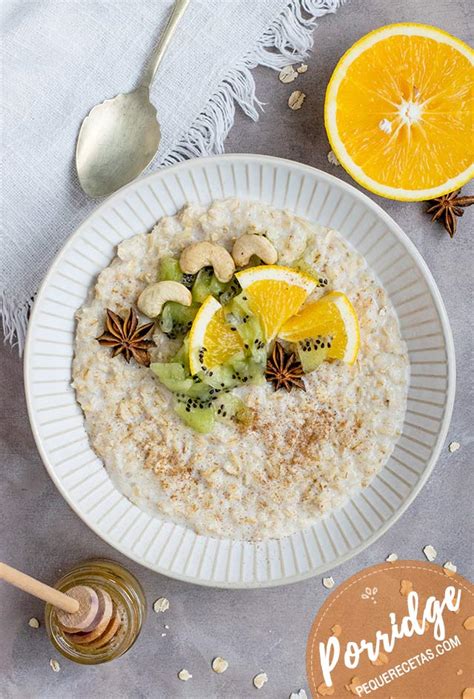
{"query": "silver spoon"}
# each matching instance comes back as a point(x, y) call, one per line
point(120, 136)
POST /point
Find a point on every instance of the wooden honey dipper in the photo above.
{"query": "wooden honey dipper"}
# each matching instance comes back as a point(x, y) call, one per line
point(87, 616)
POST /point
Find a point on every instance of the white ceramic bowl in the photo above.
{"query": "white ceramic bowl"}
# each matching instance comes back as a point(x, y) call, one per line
point(58, 423)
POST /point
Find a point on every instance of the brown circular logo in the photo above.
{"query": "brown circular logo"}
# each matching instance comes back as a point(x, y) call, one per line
point(402, 630)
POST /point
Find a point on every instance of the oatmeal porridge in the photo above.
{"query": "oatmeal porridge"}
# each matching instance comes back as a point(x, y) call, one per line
point(301, 452)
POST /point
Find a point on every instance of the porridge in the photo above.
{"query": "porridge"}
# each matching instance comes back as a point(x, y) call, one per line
point(299, 453)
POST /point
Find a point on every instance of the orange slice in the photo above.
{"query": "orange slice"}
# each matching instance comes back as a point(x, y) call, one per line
point(211, 341)
point(332, 315)
point(274, 294)
point(399, 112)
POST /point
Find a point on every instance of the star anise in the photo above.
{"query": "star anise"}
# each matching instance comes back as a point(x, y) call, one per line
point(448, 208)
point(126, 337)
point(284, 370)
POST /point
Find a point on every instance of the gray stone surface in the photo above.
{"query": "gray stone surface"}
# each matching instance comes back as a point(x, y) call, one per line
point(255, 630)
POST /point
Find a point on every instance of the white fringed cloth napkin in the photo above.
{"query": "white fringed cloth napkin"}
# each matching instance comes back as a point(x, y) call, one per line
point(61, 57)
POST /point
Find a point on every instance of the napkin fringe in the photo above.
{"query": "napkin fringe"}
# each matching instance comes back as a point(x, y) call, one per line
point(288, 40)
point(14, 318)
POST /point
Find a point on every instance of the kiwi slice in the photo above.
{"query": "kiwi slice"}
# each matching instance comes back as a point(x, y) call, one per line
point(168, 370)
point(176, 320)
point(195, 391)
point(248, 370)
point(232, 289)
point(220, 377)
point(173, 376)
point(249, 327)
point(312, 352)
point(206, 283)
point(200, 419)
point(305, 267)
point(182, 356)
point(229, 407)
point(171, 271)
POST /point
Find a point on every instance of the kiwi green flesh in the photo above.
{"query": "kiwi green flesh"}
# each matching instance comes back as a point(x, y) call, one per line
point(182, 356)
point(229, 407)
point(206, 283)
point(249, 327)
point(176, 320)
point(172, 376)
point(168, 370)
point(220, 377)
point(312, 352)
point(231, 290)
point(249, 370)
point(302, 266)
point(199, 419)
point(198, 390)
point(171, 271)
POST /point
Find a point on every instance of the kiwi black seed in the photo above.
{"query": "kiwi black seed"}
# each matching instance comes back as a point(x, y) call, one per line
point(188, 280)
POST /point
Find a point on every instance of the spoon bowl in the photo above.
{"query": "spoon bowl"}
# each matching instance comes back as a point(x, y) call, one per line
point(117, 140)
point(120, 136)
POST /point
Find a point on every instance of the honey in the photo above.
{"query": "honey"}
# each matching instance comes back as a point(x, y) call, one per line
point(129, 602)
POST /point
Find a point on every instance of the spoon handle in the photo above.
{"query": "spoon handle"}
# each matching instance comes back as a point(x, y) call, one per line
point(178, 11)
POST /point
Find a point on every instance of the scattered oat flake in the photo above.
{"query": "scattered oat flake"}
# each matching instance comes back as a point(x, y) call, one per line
point(449, 568)
point(161, 605)
point(163, 635)
point(392, 558)
point(166, 626)
point(219, 665)
point(380, 660)
point(288, 74)
point(54, 665)
point(325, 691)
point(336, 630)
point(406, 586)
point(34, 623)
point(352, 687)
point(468, 693)
point(328, 582)
point(302, 68)
point(469, 623)
point(184, 675)
point(430, 552)
point(454, 446)
point(301, 694)
point(459, 672)
point(332, 158)
point(260, 679)
point(296, 99)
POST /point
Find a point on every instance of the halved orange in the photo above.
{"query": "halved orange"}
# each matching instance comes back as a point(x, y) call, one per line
point(399, 112)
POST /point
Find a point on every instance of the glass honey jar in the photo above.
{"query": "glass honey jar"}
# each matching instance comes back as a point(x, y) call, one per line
point(129, 603)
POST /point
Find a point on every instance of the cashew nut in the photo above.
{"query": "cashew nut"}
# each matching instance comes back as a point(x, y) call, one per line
point(248, 245)
point(199, 255)
point(152, 299)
